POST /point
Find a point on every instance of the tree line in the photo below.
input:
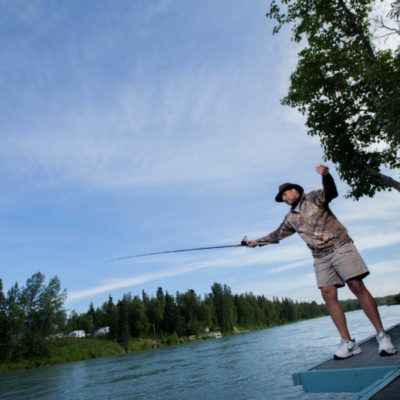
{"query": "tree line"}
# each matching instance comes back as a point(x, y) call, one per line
point(33, 314)
point(188, 313)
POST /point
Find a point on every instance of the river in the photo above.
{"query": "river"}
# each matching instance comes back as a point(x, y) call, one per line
point(248, 366)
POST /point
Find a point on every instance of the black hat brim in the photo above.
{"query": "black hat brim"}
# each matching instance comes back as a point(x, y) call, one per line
point(289, 186)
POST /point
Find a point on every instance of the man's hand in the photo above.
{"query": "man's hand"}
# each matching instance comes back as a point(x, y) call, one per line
point(322, 170)
point(249, 243)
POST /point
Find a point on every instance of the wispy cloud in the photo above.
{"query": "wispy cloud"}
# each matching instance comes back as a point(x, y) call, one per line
point(282, 257)
point(133, 117)
point(189, 129)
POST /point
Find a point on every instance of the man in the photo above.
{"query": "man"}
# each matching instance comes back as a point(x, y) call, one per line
point(336, 260)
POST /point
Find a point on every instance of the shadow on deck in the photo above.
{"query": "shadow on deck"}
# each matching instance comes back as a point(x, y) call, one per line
point(371, 376)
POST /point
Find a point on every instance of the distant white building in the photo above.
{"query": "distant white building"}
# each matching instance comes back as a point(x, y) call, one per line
point(77, 334)
point(102, 331)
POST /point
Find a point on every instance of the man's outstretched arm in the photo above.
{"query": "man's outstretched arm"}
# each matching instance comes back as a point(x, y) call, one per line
point(274, 237)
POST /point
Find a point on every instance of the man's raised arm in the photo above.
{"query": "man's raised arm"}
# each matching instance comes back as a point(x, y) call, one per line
point(327, 182)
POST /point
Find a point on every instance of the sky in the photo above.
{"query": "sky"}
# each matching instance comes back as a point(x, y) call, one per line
point(141, 126)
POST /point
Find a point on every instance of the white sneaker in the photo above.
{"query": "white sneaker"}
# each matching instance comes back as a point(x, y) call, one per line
point(386, 347)
point(346, 349)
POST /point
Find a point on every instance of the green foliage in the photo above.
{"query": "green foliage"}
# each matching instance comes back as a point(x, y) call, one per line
point(392, 300)
point(30, 314)
point(4, 329)
point(396, 299)
point(80, 322)
point(223, 305)
point(123, 324)
point(350, 305)
point(349, 91)
point(171, 339)
point(172, 320)
point(111, 312)
point(67, 350)
point(140, 345)
point(155, 309)
point(138, 322)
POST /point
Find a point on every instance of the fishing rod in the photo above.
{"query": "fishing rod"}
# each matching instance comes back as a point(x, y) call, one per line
point(242, 243)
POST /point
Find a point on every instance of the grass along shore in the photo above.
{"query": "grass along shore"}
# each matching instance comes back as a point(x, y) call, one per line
point(57, 351)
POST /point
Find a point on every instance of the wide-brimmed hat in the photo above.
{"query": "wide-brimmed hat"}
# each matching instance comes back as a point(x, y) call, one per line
point(287, 186)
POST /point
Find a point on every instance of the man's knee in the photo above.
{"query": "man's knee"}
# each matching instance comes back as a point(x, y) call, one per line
point(329, 293)
point(356, 286)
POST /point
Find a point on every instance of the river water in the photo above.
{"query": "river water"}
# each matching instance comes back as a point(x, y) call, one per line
point(248, 366)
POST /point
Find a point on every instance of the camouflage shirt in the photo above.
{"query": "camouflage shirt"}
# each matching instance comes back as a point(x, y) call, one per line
point(312, 219)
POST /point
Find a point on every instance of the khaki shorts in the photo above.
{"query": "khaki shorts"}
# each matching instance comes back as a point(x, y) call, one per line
point(342, 264)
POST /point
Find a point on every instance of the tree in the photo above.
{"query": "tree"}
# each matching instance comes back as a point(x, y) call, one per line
point(172, 321)
point(111, 311)
point(92, 314)
point(155, 309)
point(395, 11)
point(29, 315)
point(138, 322)
point(224, 307)
point(15, 328)
point(349, 90)
point(123, 324)
point(4, 331)
point(42, 307)
point(189, 309)
point(206, 313)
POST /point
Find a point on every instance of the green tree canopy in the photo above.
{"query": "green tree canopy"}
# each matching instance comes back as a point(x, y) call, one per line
point(29, 315)
point(348, 90)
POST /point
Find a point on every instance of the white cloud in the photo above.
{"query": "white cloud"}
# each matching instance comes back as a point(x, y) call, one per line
point(380, 208)
point(193, 127)
point(282, 257)
point(301, 288)
point(288, 267)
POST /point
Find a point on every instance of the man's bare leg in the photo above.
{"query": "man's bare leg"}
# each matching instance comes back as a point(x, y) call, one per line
point(367, 302)
point(329, 294)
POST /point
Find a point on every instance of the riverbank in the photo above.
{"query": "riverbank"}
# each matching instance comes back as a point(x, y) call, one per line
point(68, 350)
point(60, 351)
point(71, 349)
point(254, 365)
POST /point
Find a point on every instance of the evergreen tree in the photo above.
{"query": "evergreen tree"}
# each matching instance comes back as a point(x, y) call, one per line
point(206, 313)
point(123, 324)
point(224, 307)
point(15, 323)
point(100, 320)
point(189, 309)
point(112, 318)
point(172, 321)
point(138, 321)
point(92, 313)
point(155, 309)
point(4, 329)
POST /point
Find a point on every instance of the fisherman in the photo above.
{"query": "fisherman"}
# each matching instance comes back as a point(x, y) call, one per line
point(336, 260)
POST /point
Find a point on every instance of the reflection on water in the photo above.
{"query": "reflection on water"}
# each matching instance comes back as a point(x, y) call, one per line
point(254, 365)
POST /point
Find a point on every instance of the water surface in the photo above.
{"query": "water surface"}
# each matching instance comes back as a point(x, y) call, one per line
point(254, 365)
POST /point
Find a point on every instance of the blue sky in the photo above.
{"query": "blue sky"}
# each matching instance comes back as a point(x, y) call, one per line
point(140, 126)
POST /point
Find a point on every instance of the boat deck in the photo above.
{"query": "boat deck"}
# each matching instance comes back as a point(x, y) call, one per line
point(367, 374)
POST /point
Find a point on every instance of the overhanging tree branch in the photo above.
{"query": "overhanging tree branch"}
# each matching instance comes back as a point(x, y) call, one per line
point(349, 91)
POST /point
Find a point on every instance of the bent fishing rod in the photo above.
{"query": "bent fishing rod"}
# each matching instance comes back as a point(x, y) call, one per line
point(242, 243)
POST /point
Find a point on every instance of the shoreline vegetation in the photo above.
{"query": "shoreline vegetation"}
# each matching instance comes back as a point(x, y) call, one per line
point(35, 330)
point(67, 350)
